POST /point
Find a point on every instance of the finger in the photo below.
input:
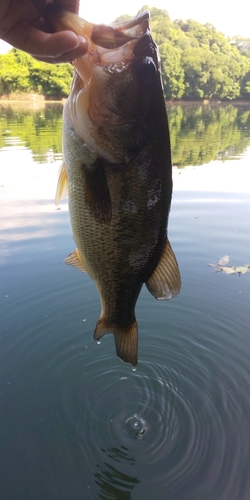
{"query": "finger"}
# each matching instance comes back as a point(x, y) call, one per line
point(66, 57)
point(45, 45)
point(14, 14)
point(39, 5)
point(72, 6)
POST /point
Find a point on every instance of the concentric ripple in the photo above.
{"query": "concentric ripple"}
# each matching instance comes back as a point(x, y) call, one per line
point(173, 420)
point(176, 424)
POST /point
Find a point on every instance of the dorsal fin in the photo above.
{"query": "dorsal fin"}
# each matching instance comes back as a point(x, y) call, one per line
point(74, 260)
point(62, 184)
point(165, 281)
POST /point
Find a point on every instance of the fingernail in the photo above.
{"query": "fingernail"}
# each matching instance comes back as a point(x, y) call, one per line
point(82, 40)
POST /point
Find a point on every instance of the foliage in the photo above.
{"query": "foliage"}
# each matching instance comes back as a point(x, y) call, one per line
point(197, 62)
point(172, 71)
point(213, 69)
point(19, 73)
point(242, 44)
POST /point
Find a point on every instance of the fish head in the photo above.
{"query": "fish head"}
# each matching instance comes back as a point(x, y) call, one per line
point(116, 93)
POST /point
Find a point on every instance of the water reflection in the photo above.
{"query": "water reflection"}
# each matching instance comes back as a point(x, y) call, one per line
point(199, 133)
point(28, 211)
point(111, 481)
point(218, 176)
point(69, 407)
point(202, 133)
point(36, 129)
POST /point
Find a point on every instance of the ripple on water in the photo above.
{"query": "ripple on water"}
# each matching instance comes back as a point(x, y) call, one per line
point(172, 419)
point(176, 425)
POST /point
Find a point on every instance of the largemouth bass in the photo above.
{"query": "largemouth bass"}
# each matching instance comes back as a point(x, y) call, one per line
point(117, 171)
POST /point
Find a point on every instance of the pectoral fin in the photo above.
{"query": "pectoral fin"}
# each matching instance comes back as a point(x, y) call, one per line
point(62, 185)
point(165, 281)
point(74, 260)
point(97, 194)
point(126, 339)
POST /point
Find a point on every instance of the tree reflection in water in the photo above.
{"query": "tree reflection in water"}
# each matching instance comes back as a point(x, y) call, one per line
point(112, 482)
point(199, 133)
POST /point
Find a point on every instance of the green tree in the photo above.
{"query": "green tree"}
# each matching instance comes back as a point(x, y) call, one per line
point(14, 77)
point(51, 80)
point(242, 44)
point(245, 86)
point(20, 73)
point(172, 71)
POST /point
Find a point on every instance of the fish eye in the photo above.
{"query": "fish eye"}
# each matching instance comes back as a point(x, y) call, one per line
point(146, 70)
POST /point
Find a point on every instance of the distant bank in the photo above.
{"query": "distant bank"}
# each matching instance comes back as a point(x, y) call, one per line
point(27, 97)
point(40, 100)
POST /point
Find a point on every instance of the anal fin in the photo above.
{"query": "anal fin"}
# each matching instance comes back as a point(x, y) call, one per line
point(126, 339)
point(165, 281)
point(74, 260)
point(62, 184)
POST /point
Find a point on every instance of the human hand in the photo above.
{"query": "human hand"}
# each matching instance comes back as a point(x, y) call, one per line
point(23, 26)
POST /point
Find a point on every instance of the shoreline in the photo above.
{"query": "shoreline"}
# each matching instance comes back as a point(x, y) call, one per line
point(30, 97)
point(27, 101)
point(38, 99)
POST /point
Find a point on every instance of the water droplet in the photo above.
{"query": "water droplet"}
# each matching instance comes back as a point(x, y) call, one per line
point(134, 368)
point(98, 342)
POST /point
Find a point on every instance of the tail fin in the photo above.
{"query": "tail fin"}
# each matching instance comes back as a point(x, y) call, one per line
point(126, 339)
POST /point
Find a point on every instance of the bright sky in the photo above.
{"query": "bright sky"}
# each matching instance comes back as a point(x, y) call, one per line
point(232, 18)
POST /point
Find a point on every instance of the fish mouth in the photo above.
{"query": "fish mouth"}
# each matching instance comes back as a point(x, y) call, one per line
point(117, 34)
point(104, 106)
point(113, 46)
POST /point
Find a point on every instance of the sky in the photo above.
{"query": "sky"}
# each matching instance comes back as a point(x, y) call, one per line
point(231, 18)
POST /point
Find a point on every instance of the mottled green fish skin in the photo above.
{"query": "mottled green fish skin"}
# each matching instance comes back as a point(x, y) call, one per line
point(119, 209)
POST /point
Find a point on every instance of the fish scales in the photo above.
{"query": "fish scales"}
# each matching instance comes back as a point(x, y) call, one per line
point(117, 167)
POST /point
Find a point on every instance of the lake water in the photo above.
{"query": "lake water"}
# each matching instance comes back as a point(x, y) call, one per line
point(77, 423)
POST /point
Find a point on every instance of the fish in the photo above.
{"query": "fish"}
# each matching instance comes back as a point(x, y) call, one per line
point(117, 171)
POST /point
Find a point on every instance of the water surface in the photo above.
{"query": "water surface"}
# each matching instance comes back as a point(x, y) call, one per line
point(75, 421)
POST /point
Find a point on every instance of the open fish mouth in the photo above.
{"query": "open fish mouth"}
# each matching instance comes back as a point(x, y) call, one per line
point(112, 46)
point(113, 83)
